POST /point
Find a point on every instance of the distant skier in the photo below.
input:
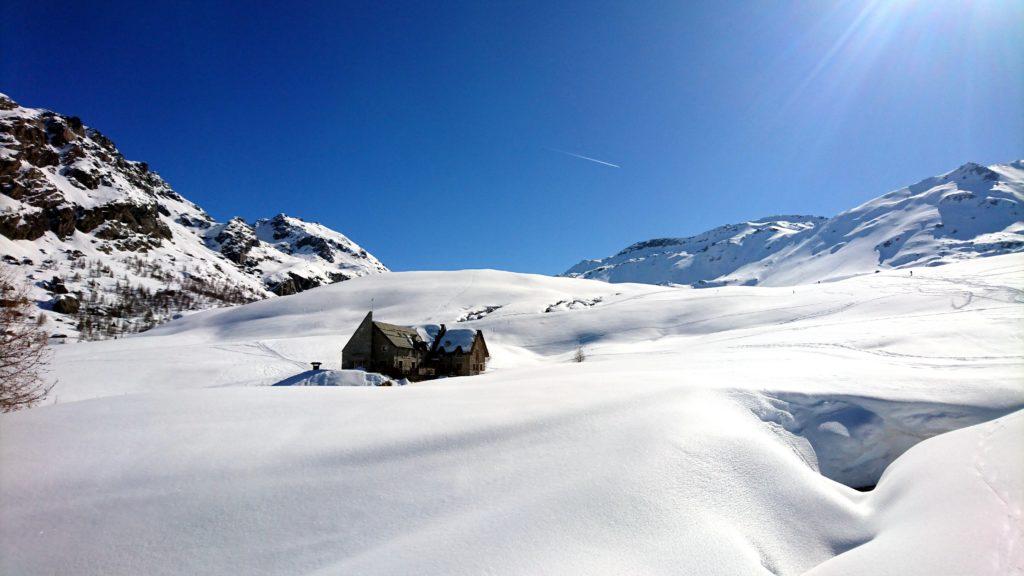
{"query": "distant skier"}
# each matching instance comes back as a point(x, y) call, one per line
point(911, 272)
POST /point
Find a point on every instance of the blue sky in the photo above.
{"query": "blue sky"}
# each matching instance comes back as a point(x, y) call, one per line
point(435, 136)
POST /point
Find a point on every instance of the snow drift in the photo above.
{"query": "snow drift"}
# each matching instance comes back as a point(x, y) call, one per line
point(713, 431)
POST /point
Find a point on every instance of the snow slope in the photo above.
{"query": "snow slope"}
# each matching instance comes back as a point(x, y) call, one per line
point(951, 505)
point(969, 212)
point(705, 259)
point(708, 432)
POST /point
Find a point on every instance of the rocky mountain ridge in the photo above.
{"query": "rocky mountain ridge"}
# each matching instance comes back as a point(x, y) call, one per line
point(109, 247)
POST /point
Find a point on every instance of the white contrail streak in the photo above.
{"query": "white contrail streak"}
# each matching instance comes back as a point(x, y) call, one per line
point(581, 156)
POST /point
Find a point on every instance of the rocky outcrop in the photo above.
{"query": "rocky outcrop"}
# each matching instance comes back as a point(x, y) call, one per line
point(132, 249)
point(235, 240)
point(65, 304)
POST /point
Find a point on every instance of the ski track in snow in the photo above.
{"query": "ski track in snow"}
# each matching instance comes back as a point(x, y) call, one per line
point(1012, 524)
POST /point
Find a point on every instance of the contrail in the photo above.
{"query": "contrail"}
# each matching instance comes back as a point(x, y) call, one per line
point(581, 156)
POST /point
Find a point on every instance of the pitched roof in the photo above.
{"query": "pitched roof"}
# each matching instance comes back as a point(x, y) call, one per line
point(457, 338)
point(400, 336)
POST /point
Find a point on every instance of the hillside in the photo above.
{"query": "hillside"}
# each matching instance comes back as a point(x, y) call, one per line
point(110, 248)
point(969, 212)
point(708, 432)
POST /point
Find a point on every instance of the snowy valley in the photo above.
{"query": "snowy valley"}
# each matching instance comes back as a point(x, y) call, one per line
point(716, 431)
point(346, 342)
point(836, 393)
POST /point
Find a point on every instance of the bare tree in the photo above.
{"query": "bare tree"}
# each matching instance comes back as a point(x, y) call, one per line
point(579, 356)
point(23, 351)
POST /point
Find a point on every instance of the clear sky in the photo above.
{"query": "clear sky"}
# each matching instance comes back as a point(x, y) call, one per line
point(444, 137)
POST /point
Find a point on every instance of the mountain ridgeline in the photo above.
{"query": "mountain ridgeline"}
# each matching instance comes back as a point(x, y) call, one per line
point(969, 212)
point(110, 248)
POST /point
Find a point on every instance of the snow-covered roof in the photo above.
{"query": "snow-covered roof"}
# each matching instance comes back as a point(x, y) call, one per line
point(428, 332)
point(458, 338)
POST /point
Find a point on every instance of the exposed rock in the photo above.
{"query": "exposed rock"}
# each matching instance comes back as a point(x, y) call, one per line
point(56, 285)
point(65, 304)
point(235, 240)
point(66, 187)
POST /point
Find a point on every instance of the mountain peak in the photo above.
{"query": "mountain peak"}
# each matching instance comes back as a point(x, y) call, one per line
point(971, 211)
point(971, 169)
point(72, 202)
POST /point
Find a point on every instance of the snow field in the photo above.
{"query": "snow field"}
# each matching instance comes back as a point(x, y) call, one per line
point(708, 432)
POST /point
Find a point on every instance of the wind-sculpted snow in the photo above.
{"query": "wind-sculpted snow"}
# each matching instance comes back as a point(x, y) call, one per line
point(854, 439)
point(972, 211)
point(713, 431)
point(950, 505)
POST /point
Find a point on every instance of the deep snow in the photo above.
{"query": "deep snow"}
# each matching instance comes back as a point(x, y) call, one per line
point(701, 436)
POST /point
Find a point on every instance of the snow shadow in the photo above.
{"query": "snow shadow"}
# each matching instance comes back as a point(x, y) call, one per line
point(338, 378)
point(296, 380)
point(855, 438)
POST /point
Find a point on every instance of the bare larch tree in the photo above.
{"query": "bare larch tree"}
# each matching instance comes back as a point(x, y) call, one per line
point(23, 347)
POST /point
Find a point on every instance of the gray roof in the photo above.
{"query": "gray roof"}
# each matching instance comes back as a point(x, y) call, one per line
point(400, 336)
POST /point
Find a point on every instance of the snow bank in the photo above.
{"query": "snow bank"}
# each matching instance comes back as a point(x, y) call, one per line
point(519, 477)
point(690, 441)
point(951, 505)
point(339, 378)
point(853, 439)
point(450, 478)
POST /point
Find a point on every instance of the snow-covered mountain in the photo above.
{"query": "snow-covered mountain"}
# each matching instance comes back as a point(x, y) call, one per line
point(698, 259)
point(969, 212)
point(110, 247)
point(290, 254)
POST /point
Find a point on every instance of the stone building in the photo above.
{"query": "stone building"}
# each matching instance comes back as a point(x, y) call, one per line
point(406, 352)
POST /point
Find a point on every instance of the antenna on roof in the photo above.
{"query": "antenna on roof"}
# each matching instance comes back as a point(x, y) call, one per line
point(371, 304)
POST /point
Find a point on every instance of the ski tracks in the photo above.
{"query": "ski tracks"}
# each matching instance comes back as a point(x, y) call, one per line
point(259, 349)
point(1011, 558)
